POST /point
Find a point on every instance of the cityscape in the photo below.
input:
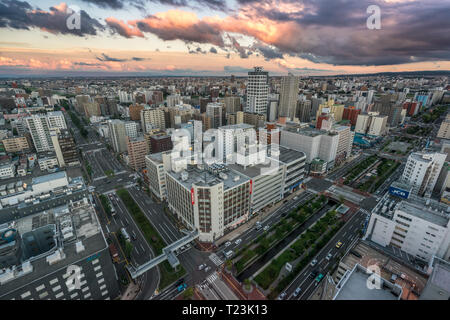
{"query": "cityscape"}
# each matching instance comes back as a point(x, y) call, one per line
point(206, 151)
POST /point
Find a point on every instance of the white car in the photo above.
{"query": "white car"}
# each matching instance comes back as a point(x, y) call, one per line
point(266, 228)
point(207, 269)
point(227, 244)
point(329, 256)
point(201, 267)
point(313, 263)
point(238, 241)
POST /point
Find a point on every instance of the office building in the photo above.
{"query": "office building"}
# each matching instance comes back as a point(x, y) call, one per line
point(417, 228)
point(422, 171)
point(211, 200)
point(288, 96)
point(215, 111)
point(232, 104)
point(257, 91)
point(157, 165)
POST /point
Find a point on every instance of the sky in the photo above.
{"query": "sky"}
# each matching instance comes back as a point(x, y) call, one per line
point(222, 37)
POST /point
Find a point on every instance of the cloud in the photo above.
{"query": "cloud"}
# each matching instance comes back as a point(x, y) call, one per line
point(238, 48)
point(122, 28)
point(21, 15)
point(106, 58)
point(180, 25)
point(267, 51)
point(87, 64)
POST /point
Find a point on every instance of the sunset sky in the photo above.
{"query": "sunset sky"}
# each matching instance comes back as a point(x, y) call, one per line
point(214, 37)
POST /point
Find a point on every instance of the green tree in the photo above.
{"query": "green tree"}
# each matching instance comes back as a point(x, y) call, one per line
point(188, 293)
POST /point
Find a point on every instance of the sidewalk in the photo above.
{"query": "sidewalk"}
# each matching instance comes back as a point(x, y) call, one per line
point(261, 216)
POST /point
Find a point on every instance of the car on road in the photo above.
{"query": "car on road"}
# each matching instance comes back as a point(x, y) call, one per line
point(228, 254)
point(329, 256)
point(201, 267)
point(338, 244)
point(179, 282)
point(133, 237)
point(266, 228)
point(319, 278)
point(282, 296)
point(313, 263)
point(227, 244)
point(238, 242)
point(207, 269)
point(182, 287)
point(297, 291)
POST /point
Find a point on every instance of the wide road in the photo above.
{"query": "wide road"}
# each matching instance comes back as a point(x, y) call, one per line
point(347, 234)
point(251, 233)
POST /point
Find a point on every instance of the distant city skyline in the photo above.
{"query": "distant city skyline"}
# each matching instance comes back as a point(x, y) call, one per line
point(214, 38)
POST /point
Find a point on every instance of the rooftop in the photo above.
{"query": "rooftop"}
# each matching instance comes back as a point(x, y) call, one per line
point(355, 286)
point(201, 176)
point(49, 177)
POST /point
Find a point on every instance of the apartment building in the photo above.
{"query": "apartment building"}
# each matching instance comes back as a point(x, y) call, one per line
point(137, 150)
point(38, 127)
point(152, 119)
point(444, 129)
point(257, 91)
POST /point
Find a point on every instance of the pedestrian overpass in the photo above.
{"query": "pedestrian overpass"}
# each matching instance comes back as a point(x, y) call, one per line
point(168, 254)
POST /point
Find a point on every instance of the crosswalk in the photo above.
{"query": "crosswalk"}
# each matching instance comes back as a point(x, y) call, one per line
point(215, 258)
point(212, 277)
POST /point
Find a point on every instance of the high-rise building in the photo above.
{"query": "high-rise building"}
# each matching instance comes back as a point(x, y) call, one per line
point(137, 150)
point(68, 148)
point(131, 129)
point(212, 200)
point(422, 171)
point(304, 110)
point(135, 112)
point(232, 104)
point(257, 91)
point(288, 96)
point(152, 119)
point(215, 112)
point(160, 143)
point(117, 135)
point(40, 132)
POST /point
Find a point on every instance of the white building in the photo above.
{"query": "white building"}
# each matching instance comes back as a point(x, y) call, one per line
point(47, 162)
point(314, 143)
point(157, 165)
point(131, 129)
point(372, 124)
point(118, 135)
point(39, 129)
point(211, 200)
point(7, 171)
point(444, 130)
point(257, 91)
point(56, 120)
point(422, 171)
point(418, 228)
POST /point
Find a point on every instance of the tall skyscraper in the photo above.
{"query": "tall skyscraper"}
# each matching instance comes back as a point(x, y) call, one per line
point(257, 91)
point(40, 133)
point(117, 135)
point(215, 112)
point(288, 96)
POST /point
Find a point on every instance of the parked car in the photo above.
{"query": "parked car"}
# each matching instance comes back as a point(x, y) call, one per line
point(297, 291)
point(227, 244)
point(313, 263)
